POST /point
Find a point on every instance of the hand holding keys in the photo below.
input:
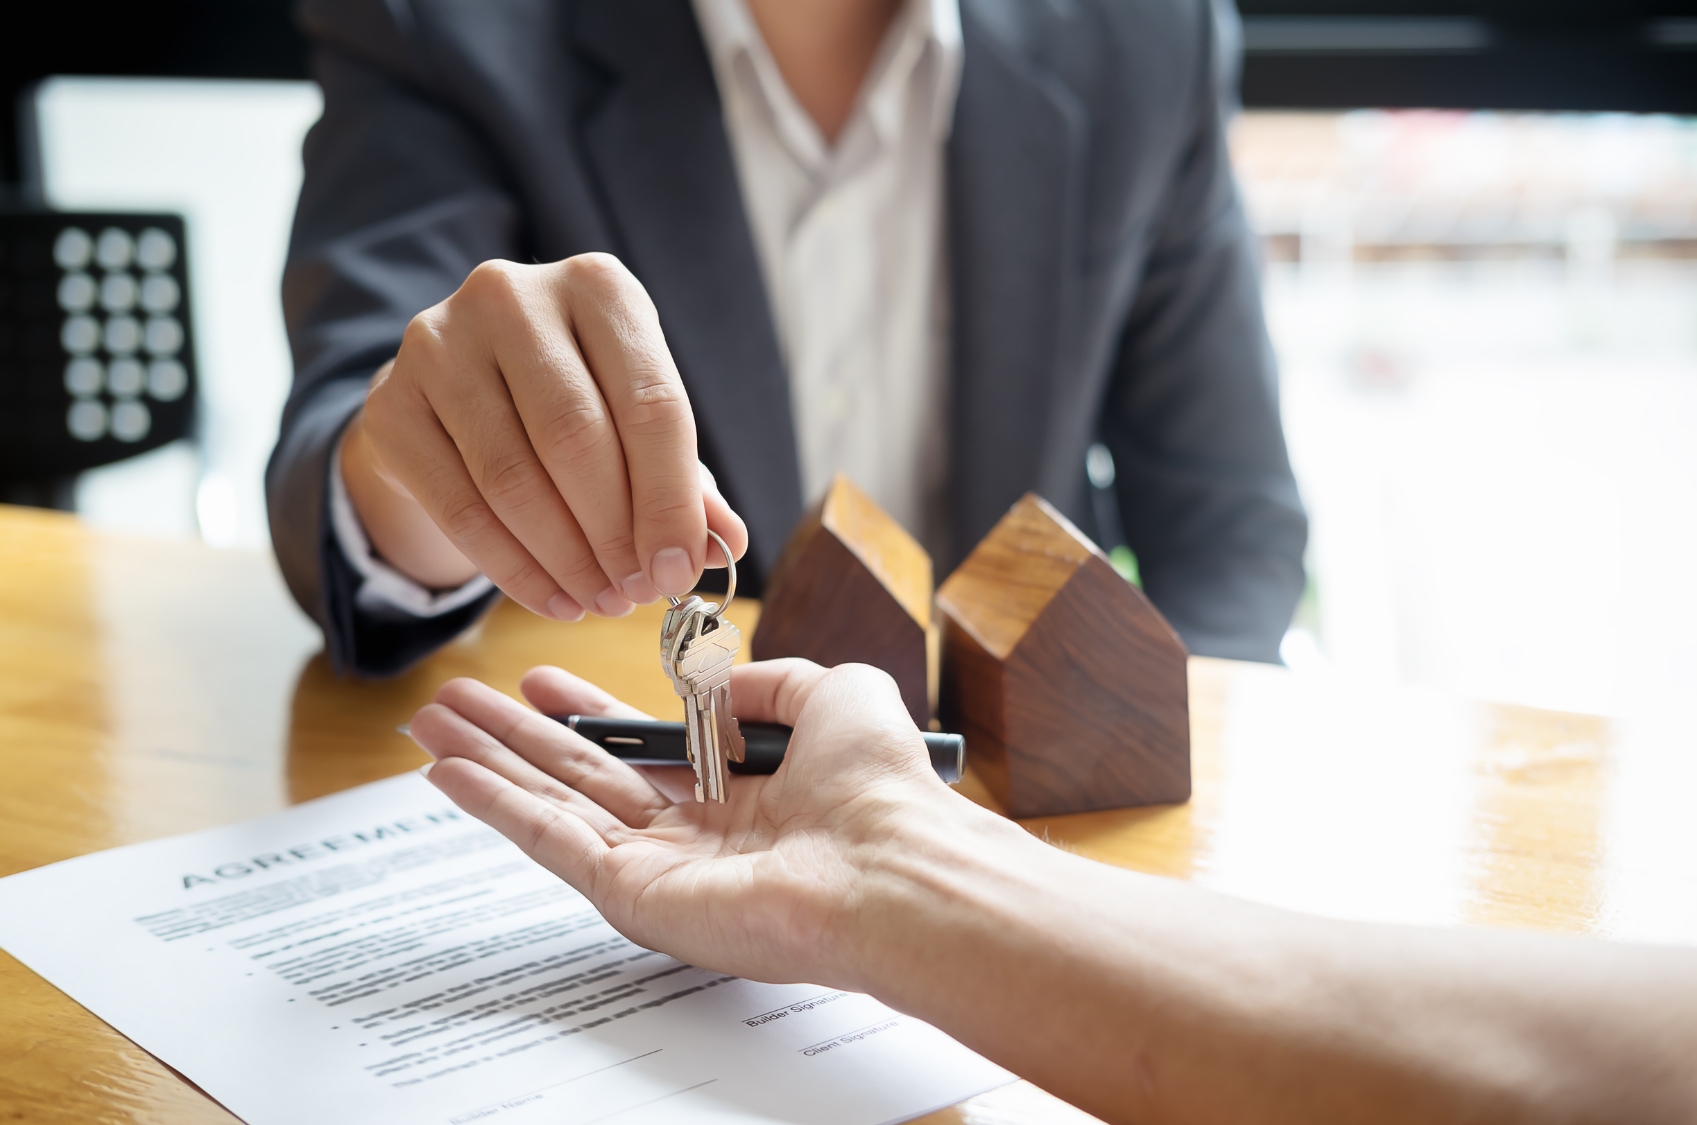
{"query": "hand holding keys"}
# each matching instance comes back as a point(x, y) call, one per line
point(697, 647)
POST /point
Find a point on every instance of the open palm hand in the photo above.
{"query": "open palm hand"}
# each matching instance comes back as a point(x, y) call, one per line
point(759, 886)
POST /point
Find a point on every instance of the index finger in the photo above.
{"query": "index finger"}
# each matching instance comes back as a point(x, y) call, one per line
point(556, 753)
point(555, 691)
point(625, 348)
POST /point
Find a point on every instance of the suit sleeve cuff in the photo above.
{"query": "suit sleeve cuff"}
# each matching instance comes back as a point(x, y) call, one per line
point(385, 592)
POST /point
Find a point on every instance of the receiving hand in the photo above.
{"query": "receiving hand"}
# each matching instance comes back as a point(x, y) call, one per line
point(762, 886)
point(534, 427)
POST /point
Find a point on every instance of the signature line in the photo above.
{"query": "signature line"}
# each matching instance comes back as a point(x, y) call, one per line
point(650, 1101)
point(551, 1085)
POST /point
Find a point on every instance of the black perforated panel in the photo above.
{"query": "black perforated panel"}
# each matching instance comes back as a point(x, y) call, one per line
point(96, 340)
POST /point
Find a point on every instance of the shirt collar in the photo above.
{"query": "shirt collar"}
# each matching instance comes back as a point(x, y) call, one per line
point(923, 43)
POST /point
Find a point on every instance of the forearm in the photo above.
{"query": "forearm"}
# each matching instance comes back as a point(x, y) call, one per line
point(1135, 998)
point(400, 530)
point(1042, 962)
point(1140, 999)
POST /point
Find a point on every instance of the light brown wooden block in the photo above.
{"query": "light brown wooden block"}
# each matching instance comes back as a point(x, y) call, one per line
point(1069, 686)
point(853, 586)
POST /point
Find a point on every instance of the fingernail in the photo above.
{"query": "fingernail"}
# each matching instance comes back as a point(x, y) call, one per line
point(563, 607)
point(674, 574)
point(639, 589)
point(609, 603)
point(406, 729)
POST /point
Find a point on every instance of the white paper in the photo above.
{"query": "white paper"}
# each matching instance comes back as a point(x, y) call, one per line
point(378, 957)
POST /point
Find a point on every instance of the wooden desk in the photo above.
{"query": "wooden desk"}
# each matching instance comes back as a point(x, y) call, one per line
point(152, 688)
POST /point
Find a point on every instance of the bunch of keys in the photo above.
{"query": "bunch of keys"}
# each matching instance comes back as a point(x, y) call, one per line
point(697, 646)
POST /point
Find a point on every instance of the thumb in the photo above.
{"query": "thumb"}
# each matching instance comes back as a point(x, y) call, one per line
point(774, 691)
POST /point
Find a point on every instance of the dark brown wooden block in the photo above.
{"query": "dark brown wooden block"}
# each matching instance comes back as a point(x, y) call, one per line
point(1071, 689)
point(853, 586)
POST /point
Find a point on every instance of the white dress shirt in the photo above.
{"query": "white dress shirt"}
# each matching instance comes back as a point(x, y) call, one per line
point(850, 238)
point(851, 245)
point(384, 591)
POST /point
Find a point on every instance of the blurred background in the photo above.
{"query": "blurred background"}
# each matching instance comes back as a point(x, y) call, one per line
point(1480, 237)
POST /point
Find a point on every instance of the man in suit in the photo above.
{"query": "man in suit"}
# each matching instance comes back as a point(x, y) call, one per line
point(941, 246)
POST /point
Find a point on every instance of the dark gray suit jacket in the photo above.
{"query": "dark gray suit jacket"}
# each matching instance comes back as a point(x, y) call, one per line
point(1103, 279)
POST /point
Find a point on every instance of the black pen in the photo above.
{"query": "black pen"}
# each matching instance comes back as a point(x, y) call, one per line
point(652, 742)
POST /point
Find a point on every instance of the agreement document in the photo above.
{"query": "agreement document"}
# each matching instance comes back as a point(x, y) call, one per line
point(379, 957)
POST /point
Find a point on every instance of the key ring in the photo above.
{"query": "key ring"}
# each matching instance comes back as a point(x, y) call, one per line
point(731, 584)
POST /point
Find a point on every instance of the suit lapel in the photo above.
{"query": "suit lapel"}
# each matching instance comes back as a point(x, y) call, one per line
point(1014, 174)
point(658, 149)
point(657, 146)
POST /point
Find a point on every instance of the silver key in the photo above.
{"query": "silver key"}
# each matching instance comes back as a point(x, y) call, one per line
point(697, 648)
point(704, 667)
